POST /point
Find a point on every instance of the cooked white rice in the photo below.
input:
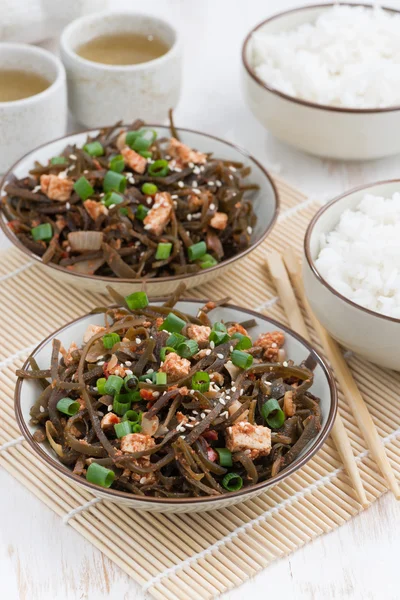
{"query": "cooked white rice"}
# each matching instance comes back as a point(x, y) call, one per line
point(360, 258)
point(349, 57)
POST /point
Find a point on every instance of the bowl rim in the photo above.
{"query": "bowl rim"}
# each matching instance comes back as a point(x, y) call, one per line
point(118, 494)
point(308, 103)
point(119, 280)
point(310, 260)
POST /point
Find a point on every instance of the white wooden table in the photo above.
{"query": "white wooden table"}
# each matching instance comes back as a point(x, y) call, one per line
point(42, 559)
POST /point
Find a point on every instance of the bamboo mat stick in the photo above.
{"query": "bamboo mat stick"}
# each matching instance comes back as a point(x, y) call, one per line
point(296, 321)
point(346, 380)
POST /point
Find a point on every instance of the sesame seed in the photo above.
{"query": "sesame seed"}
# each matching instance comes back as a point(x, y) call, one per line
point(183, 437)
point(196, 191)
point(229, 429)
point(212, 345)
point(230, 348)
point(233, 169)
point(178, 169)
point(181, 184)
point(131, 179)
point(111, 206)
point(222, 401)
point(227, 397)
point(202, 168)
point(148, 226)
point(212, 206)
point(249, 230)
point(241, 392)
point(174, 202)
point(36, 188)
point(233, 389)
point(207, 410)
point(247, 451)
point(128, 372)
point(231, 177)
point(143, 480)
point(156, 394)
point(138, 341)
point(285, 363)
point(41, 409)
point(210, 183)
point(208, 352)
point(193, 418)
point(274, 345)
point(225, 414)
point(167, 157)
point(196, 170)
point(149, 201)
point(202, 415)
point(174, 196)
point(67, 205)
point(194, 184)
point(218, 183)
point(191, 165)
point(100, 363)
point(148, 380)
point(189, 217)
point(190, 425)
point(150, 371)
point(195, 412)
point(100, 414)
point(221, 356)
point(192, 393)
point(73, 157)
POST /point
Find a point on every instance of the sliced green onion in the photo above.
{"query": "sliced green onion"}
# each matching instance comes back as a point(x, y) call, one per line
point(149, 189)
point(101, 386)
point(111, 199)
point(219, 326)
point(120, 408)
point(145, 153)
point(161, 378)
point(172, 323)
point(42, 232)
point(141, 144)
point(131, 137)
point(241, 359)
point(68, 407)
point(114, 181)
point(273, 414)
point(123, 428)
point(137, 300)
point(175, 339)
point(58, 160)
point(113, 385)
point(109, 339)
point(141, 212)
point(218, 337)
point(100, 475)
point(94, 149)
point(201, 381)
point(187, 349)
point(83, 188)
point(163, 250)
point(132, 416)
point(232, 482)
point(244, 342)
point(124, 211)
point(225, 457)
point(136, 428)
point(117, 163)
point(164, 350)
point(146, 376)
point(197, 251)
point(207, 261)
point(130, 383)
point(159, 168)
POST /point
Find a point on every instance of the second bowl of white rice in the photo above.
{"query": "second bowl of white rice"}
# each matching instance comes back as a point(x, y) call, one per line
point(351, 270)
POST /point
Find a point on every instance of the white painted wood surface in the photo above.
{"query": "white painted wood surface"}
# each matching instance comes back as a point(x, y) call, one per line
point(42, 559)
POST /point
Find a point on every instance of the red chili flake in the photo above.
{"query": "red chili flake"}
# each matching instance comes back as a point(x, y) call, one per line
point(211, 454)
point(211, 434)
point(146, 394)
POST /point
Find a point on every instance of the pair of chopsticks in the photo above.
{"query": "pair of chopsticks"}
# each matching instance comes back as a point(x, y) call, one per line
point(279, 267)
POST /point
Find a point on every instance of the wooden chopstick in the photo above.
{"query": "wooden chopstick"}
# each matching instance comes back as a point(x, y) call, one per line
point(346, 380)
point(296, 321)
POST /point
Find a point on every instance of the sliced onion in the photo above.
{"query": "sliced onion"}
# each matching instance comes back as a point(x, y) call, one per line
point(232, 369)
point(50, 432)
point(83, 241)
point(121, 140)
point(86, 267)
point(149, 426)
point(96, 351)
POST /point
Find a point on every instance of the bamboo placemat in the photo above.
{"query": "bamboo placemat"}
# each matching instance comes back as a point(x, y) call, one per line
point(192, 556)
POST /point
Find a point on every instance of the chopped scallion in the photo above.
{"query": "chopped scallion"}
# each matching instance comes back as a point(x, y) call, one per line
point(241, 359)
point(109, 339)
point(161, 378)
point(117, 163)
point(159, 168)
point(149, 189)
point(141, 212)
point(83, 188)
point(114, 181)
point(272, 413)
point(122, 429)
point(94, 148)
point(163, 250)
point(42, 232)
point(112, 198)
point(196, 251)
point(68, 407)
point(187, 349)
point(225, 457)
point(99, 475)
point(113, 385)
point(201, 381)
point(244, 342)
point(137, 300)
point(232, 482)
point(172, 323)
point(58, 160)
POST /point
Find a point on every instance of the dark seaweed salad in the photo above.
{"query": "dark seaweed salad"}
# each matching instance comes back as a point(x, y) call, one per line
point(165, 404)
point(132, 205)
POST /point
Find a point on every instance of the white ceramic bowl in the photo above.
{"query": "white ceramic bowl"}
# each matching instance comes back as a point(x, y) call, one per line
point(368, 333)
point(328, 131)
point(265, 202)
point(297, 348)
point(101, 94)
point(26, 123)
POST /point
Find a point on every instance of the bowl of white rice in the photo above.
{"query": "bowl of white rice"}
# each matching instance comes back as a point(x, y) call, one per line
point(351, 270)
point(326, 79)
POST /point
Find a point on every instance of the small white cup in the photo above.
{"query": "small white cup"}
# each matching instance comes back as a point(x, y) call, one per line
point(30, 122)
point(102, 94)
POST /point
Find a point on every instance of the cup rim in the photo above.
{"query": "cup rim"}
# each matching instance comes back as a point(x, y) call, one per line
point(36, 50)
point(69, 30)
point(327, 107)
point(311, 262)
point(114, 494)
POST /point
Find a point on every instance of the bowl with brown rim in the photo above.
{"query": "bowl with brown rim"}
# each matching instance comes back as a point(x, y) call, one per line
point(370, 334)
point(324, 130)
point(265, 203)
point(297, 348)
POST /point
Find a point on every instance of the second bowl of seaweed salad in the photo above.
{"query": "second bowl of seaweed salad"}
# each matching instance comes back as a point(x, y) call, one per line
point(127, 204)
